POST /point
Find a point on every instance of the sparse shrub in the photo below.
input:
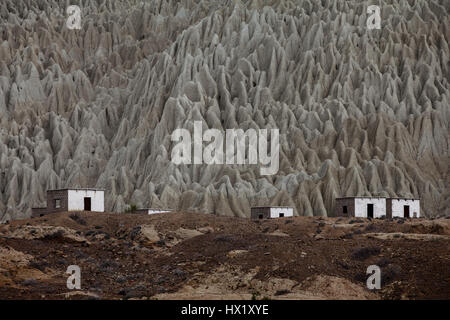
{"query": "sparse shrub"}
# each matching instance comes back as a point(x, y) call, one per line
point(131, 208)
point(81, 255)
point(255, 295)
point(179, 272)
point(161, 243)
point(108, 266)
point(90, 233)
point(135, 232)
point(365, 252)
point(347, 236)
point(382, 262)
point(121, 279)
point(134, 292)
point(77, 218)
point(40, 265)
point(282, 292)
point(343, 264)
point(161, 289)
point(91, 260)
point(29, 282)
point(223, 238)
point(59, 234)
point(390, 273)
point(360, 276)
point(161, 279)
point(356, 221)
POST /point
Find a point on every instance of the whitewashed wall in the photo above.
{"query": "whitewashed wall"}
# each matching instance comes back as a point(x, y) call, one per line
point(76, 200)
point(379, 207)
point(153, 211)
point(275, 212)
point(397, 207)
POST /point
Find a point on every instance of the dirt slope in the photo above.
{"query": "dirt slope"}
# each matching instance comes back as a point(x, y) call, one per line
point(201, 256)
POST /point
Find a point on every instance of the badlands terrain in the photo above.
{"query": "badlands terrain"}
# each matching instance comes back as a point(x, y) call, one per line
point(360, 112)
point(204, 256)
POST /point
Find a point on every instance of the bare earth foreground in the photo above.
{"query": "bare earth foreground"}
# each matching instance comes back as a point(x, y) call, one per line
point(199, 256)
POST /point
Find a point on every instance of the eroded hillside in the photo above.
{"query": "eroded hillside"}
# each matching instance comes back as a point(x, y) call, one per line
point(360, 112)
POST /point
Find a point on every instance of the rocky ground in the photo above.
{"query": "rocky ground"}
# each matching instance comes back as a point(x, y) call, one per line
point(202, 256)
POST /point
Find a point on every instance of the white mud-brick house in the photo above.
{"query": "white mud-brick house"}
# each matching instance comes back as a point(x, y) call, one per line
point(62, 200)
point(377, 207)
point(271, 212)
point(401, 207)
point(151, 211)
point(362, 207)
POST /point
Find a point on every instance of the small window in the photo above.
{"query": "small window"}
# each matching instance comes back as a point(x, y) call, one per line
point(281, 215)
point(260, 216)
point(344, 209)
point(57, 203)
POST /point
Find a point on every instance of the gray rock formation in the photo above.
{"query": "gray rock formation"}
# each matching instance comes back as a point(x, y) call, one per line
point(360, 112)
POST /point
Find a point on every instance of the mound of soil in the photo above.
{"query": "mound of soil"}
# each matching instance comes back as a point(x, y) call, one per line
point(201, 256)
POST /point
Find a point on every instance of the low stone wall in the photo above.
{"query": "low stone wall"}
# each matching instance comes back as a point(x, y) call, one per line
point(38, 212)
point(256, 212)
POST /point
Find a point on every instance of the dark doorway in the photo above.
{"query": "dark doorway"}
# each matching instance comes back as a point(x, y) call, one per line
point(370, 210)
point(344, 209)
point(87, 204)
point(281, 215)
point(406, 211)
point(260, 216)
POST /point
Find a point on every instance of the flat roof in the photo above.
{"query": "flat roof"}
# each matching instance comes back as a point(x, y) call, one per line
point(406, 198)
point(155, 209)
point(77, 189)
point(273, 207)
point(361, 198)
